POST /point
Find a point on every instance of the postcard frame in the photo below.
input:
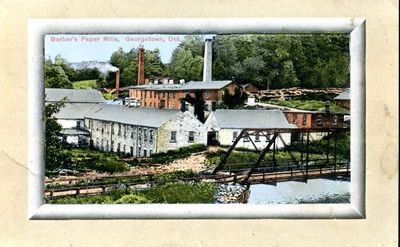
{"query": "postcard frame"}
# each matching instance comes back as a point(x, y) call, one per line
point(37, 28)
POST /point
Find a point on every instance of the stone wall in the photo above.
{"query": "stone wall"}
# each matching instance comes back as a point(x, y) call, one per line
point(183, 123)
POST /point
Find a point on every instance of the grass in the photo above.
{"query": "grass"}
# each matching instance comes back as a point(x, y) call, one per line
point(84, 84)
point(173, 192)
point(310, 105)
point(108, 96)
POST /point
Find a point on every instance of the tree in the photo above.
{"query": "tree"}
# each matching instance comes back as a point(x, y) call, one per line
point(55, 76)
point(55, 154)
point(186, 66)
point(235, 100)
point(198, 102)
point(127, 62)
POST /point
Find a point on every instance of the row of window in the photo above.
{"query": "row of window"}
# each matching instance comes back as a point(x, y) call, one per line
point(100, 145)
point(160, 104)
point(148, 135)
point(246, 139)
point(174, 133)
point(319, 119)
point(153, 94)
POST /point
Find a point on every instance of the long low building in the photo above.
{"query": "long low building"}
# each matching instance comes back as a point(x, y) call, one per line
point(224, 126)
point(142, 131)
point(71, 117)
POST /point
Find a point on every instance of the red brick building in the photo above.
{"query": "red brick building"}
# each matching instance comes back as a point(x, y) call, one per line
point(315, 119)
point(168, 95)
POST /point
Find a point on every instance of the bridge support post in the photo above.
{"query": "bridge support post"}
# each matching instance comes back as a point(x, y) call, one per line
point(307, 156)
point(327, 148)
point(335, 152)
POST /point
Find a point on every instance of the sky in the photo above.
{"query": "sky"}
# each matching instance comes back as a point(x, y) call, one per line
point(78, 47)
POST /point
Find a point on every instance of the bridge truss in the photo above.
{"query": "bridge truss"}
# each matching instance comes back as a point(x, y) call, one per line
point(272, 135)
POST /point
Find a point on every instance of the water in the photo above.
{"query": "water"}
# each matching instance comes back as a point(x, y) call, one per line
point(315, 190)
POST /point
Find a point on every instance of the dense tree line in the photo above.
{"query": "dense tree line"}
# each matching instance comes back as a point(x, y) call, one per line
point(280, 61)
point(61, 75)
point(267, 60)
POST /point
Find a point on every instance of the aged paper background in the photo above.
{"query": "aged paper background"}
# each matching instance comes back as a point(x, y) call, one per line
point(378, 229)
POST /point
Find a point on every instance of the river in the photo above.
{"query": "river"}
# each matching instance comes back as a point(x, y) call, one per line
point(314, 191)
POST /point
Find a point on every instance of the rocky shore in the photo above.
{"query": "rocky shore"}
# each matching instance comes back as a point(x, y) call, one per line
point(231, 193)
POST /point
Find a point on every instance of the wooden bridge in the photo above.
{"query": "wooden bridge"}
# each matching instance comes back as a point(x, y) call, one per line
point(265, 175)
point(269, 173)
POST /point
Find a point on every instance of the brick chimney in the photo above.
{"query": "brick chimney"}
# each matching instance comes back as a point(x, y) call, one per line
point(117, 75)
point(140, 80)
point(207, 64)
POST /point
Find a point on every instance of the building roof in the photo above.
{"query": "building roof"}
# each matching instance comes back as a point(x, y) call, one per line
point(189, 86)
point(251, 119)
point(74, 95)
point(141, 116)
point(343, 96)
point(74, 111)
point(74, 132)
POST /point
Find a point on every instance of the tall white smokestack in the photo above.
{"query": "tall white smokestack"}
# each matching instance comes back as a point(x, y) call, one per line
point(207, 60)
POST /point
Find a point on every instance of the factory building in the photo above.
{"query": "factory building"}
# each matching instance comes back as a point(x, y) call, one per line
point(142, 131)
point(223, 127)
point(167, 94)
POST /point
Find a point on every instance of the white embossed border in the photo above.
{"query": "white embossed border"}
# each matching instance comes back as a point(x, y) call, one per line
point(37, 28)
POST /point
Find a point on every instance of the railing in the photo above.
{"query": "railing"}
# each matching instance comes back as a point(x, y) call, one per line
point(268, 174)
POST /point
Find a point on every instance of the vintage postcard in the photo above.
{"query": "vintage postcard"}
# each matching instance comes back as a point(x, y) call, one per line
point(236, 118)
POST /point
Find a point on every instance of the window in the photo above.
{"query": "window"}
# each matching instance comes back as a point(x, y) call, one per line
point(139, 151)
point(173, 94)
point(119, 129)
point(145, 135)
point(295, 118)
point(304, 119)
point(151, 136)
point(246, 139)
point(319, 119)
point(150, 152)
point(131, 133)
point(257, 137)
point(124, 149)
point(118, 147)
point(334, 120)
point(102, 130)
point(162, 103)
point(173, 136)
point(78, 124)
point(191, 136)
point(205, 94)
point(234, 136)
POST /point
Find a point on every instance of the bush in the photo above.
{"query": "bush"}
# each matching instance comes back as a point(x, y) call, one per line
point(182, 193)
point(171, 155)
point(132, 198)
point(84, 159)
